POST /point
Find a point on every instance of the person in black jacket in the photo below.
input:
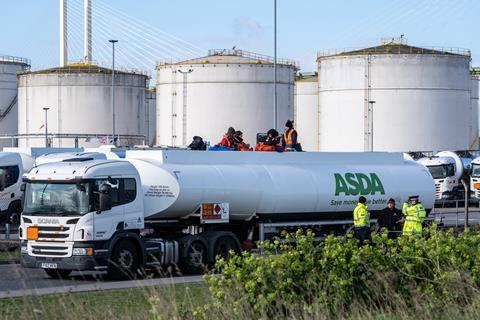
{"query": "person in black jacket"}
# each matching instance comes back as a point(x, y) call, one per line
point(389, 218)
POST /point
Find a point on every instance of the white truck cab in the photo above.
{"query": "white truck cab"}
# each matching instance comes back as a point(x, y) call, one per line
point(444, 174)
point(70, 209)
point(12, 166)
point(475, 179)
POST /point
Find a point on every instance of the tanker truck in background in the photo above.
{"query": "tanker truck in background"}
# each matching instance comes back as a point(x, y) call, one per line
point(159, 208)
point(448, 168)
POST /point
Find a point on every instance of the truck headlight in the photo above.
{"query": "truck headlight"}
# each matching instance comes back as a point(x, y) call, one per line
point(83, 251)
point(23, 249)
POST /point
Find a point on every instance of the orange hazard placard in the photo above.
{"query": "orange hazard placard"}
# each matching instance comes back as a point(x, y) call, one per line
point(214, 212)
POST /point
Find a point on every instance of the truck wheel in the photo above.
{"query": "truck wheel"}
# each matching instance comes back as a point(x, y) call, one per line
point(58, 273)
point(14, 215)
point(196, 260)
point(124, 261)
point(223, 246)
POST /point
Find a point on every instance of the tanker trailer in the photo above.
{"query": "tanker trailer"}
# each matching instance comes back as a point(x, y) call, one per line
point(162, 207)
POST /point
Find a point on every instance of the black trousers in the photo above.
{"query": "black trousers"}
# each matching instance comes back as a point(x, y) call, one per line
point(363, 234)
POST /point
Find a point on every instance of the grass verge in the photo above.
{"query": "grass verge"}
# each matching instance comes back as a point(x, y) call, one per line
point(7, 256)
point(171, 302)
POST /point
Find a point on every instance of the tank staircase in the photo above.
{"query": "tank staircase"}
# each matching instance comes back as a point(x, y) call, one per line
point(9, 108)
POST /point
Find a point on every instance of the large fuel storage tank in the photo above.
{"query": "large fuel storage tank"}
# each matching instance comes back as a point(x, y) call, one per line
point(306, 110)
point(227, 88)
point(79, 98)
point(9, 67)
point(394, 97)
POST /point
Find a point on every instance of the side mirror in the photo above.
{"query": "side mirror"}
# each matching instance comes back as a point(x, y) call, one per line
point(105, 199)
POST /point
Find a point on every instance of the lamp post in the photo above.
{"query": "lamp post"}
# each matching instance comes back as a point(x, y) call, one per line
point(113, 90)
point(275, 64)
point(370, 120)
point(46, 126)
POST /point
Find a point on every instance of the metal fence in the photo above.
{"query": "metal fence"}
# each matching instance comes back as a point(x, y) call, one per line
point(94, 138)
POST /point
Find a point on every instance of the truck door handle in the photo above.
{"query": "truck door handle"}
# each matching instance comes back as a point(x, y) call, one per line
point(12, 195)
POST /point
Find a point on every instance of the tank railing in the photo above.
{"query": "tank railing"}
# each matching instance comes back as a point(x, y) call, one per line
point(92, 67)
point(87, 137)
point(250, 55)
point(5, 58)
point(239, 53)
point(393, 50)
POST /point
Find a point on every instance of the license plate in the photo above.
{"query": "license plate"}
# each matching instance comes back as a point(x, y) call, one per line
point(47, 265)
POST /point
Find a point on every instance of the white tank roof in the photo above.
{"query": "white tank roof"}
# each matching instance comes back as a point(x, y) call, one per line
point(234, 56)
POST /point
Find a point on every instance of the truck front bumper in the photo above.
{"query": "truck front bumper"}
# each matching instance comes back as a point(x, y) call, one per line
point(97, 262)
point(80, 263)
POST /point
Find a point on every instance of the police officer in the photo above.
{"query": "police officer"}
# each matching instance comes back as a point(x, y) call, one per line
point(414, 213)
point(361, 220)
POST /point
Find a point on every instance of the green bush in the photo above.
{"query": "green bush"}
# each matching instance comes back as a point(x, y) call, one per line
point(297, 275)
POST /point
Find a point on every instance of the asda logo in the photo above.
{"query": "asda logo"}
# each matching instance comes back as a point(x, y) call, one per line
point(354, 184)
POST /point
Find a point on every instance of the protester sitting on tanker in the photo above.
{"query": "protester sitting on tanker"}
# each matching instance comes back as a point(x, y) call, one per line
point(290, 138)
point(227, 139)
point(238, 142)
point(389, 219)
point(272, 142)
point(197, 144)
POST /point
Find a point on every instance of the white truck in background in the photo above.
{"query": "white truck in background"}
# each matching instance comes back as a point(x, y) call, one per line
point(176, 207)
point(12, 167)
point(448, 168)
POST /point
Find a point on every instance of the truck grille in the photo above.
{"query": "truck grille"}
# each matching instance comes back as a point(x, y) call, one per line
point(438, 195)
point(46, 233)
point(44, 250)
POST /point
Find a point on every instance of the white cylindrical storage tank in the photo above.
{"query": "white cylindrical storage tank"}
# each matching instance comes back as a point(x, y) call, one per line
point(227, 88)
point(475, 114)
point(79, 98)
point(306, 110)
point(394, 97)
point(9, 67)
point(151, 116)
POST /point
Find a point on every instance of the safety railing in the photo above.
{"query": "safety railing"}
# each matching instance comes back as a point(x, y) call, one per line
point(8, 231)
point(94, 138)
point(394, 49)
point(82, 66)
point(239, 53)
point(5, 58)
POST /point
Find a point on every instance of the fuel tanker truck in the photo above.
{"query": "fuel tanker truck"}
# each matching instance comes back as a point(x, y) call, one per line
point(159, 208)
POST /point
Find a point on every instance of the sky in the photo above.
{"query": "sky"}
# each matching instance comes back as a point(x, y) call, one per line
point(157, 30)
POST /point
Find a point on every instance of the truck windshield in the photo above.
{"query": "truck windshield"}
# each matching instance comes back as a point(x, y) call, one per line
point(8, 176)
point(64, 199)
point(441, 171)
point(475, 170)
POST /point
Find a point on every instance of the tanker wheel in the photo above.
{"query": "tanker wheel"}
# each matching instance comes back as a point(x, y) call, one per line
point(123, 262)
point(58, 273)
point(195, 261)
point(223, 246)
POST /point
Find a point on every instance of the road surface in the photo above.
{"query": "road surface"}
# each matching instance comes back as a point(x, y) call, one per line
point(16, 282)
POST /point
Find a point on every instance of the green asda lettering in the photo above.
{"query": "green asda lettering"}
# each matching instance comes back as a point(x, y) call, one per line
point(354, 184)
